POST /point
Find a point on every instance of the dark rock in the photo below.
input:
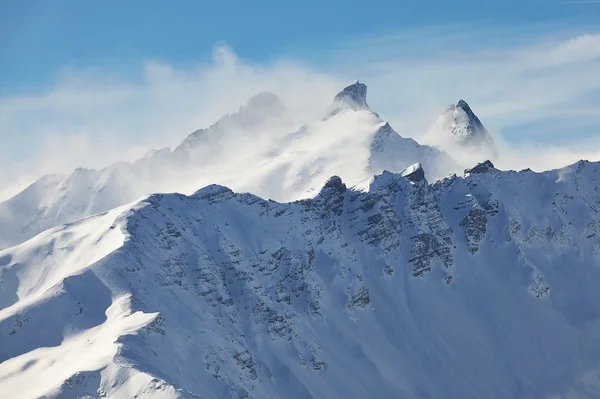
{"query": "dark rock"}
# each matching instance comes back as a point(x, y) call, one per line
point(335, 183)
point(354, 95)
point(414, 173)
point(483, 167)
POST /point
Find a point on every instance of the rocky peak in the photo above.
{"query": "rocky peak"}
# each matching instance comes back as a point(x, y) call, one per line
point(459, 129)
point(465, 125)
point(414, 173)
point(353, 97)
point(334, 183)
point(462, 104)
point(264, 105)
point(482, 167)
point(385, 128)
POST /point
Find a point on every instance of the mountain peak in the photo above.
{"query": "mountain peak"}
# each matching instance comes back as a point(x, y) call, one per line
point(482, 167)
point(352, 97)
point(462, 104)
point(465, 124)
point(458, 128)
point(414, 173)
point(258, 110)
point(264, 104)
point(334, 183)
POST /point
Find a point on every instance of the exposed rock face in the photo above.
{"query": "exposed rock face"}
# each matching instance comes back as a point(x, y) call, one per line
point(230, 295)
point(353, 96)
point(466, 125)
point(414, 173)
point(483, 167)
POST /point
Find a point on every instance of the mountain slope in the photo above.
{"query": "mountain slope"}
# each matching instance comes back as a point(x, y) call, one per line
point(251, 150)
point(468, 287)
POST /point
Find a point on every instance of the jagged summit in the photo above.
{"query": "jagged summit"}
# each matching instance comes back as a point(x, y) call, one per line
point(264, 104)
point(353, 97)
point(460, 132)
point(463, 104)
point(466, 124)
point(463, 123)
point(334, 183)
point(482, 167)
point(414, 173)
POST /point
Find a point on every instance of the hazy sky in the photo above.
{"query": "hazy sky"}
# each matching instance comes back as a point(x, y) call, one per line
point(87, 83)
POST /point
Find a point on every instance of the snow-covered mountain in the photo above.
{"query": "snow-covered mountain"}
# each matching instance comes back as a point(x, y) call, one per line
point(459, 132)
point(471, 287)
point(251, 150)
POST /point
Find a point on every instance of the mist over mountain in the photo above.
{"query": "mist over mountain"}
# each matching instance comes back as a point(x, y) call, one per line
point(258, 149)
point(459, 132)
point(267, 257)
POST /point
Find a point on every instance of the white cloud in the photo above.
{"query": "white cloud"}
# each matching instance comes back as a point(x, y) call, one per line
point(91, 118)
point(506, 86)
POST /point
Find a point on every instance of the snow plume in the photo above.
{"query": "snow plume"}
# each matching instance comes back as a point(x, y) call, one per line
point(92, 118)
point(540, 157)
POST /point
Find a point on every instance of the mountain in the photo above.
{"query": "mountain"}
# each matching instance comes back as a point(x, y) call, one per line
point(257, 149)
point(353, 97)
point(459, 132)
point(475, 286)
point(261, 109)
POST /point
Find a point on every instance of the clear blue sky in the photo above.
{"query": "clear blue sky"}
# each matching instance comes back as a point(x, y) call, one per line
point(40, 38)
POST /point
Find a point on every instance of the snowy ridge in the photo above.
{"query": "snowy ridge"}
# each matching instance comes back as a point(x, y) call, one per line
point(257, 149)
point(261, 109)
point(475, 286)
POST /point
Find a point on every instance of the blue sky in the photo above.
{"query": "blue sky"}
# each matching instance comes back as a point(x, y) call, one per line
point(87, 83)
point(39, 39)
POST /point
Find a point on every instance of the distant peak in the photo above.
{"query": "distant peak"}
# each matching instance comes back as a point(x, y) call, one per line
point(354, 96)
point(457, 129)
point(258, 110)
point(463, 105)
point(264, 104)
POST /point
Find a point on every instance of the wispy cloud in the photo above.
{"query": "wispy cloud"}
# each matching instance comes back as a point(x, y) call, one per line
point(92, 118)
point(507, 85)
point(522, 89)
